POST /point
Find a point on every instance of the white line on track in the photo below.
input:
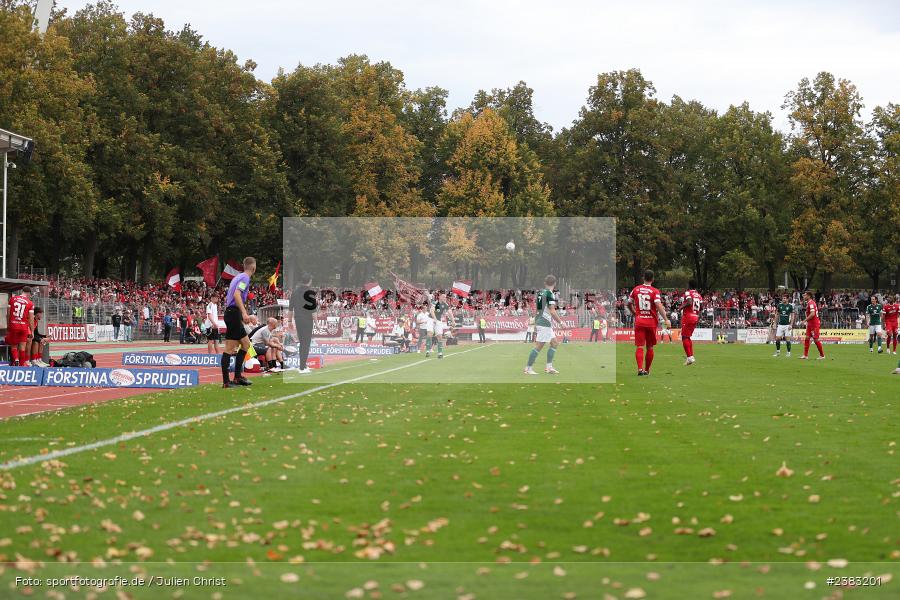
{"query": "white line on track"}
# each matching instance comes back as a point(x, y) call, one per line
point(39, 458)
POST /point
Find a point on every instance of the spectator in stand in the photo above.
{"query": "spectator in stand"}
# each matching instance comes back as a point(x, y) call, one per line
point(127, 324)
point(183, 325)
point(117, 325)
point(168, 321)
point(370, 326)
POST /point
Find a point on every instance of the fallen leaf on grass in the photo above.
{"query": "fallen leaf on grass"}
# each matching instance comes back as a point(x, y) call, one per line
point(784, 471)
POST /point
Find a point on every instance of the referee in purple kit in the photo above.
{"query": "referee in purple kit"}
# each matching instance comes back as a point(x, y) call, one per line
point(236, 340)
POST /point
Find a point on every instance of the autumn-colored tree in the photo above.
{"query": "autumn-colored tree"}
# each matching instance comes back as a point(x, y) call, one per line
point(828, 173)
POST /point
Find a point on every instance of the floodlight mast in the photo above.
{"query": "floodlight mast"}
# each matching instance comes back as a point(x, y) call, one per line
point(42, 15)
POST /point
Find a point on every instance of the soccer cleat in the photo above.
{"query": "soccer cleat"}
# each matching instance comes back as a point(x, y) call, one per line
point(530, 371)
point(804, 357)
point(303, 371)
point(880, 350)
point(689, 361)
point(441, 355)
point(820, 358)
point(778, 353)
point(870, 351)
point(896, 371)
point(551, 371)
point(788, 354)
point(642, 373)
point(242, 381)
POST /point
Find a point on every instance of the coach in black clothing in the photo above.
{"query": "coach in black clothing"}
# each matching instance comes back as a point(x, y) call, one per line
point(303, 308)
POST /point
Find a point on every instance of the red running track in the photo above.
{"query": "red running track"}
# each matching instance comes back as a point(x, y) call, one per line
point(17, 401)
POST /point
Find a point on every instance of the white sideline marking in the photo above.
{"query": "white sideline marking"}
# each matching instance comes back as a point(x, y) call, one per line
point(39, 458)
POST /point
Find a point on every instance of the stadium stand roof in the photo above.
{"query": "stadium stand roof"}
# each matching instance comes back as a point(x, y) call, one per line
point(11, 285)
point(13, 142)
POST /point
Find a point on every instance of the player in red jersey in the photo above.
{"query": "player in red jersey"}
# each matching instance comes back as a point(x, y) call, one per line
point(20, 324)
point(644, 304)
point(690, 314)
point(812, 326)
point(891, 313)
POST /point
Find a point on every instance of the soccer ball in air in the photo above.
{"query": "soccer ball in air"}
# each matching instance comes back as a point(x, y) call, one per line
point(510, 246)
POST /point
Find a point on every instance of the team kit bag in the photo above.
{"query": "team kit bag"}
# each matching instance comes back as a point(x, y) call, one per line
point(78, 359)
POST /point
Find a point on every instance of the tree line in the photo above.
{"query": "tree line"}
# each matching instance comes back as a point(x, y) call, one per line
point(155, 149)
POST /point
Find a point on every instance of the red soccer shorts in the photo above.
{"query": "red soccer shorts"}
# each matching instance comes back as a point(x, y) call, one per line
point(645, 335)
point(892, 328)
point(16, 336)
point(812, 329)
point(687, 328)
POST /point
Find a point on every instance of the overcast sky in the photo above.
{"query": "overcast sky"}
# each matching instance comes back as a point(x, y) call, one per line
point(720, 52)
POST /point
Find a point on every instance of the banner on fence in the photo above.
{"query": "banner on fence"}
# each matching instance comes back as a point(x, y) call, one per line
point(352, 350)
point(754, 335)
point(160, 359)
point(21, 375)
point(66, 332)
point(327, 327)
point(121, 378)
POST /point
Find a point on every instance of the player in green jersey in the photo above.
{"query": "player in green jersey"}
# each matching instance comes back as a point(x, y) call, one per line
point(439, 310)
point(873, 316)
point(543, 321)
point(785, 318)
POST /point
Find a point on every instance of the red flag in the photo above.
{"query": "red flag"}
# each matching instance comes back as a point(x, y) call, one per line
point(232, 270)
point(374, 290)
point(407, 292)
point(462, 288)
point(173, 279)
point(273, 280)
point(209, 268)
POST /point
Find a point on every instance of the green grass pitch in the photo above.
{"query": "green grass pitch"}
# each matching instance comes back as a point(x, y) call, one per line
point(658, 487)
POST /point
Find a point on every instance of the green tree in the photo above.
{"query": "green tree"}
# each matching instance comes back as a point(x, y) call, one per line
point(51, 198)
point(612, 165)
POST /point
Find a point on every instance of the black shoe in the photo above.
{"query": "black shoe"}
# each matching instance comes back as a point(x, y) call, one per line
point(229, 385)
point(641, 373)
point(242, 381)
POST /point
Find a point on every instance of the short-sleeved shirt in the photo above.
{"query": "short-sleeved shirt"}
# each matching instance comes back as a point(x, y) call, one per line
point(644, 298)
point(19, 309)
point(874, 311)
point(691, 302)
point(891, 311)
point(241, 282)
point(812, 312)
point(785, 311)
point(440, 309)
point(212, 315)
point(262, 336)
point(544, 302)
